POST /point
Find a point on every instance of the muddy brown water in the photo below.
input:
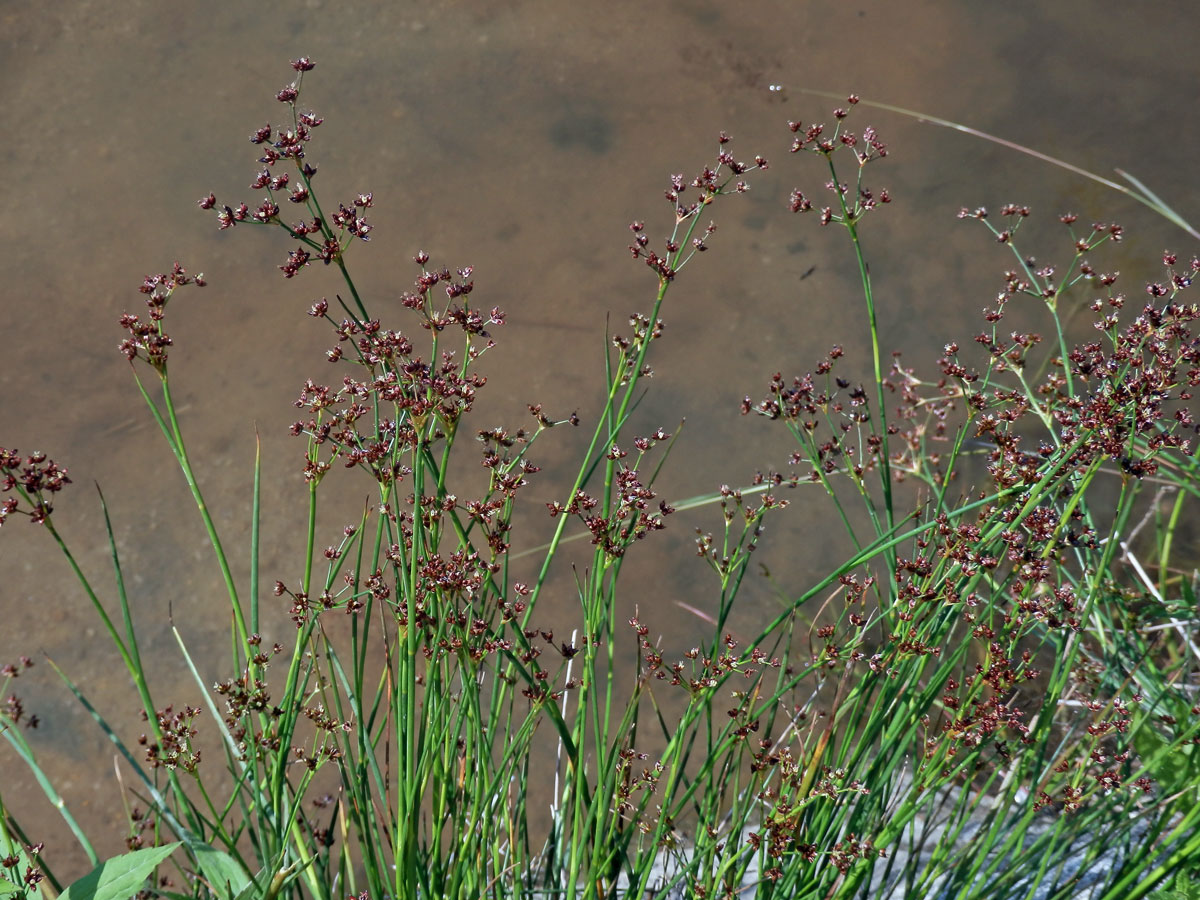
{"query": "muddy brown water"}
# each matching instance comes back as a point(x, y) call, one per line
point(521, 138)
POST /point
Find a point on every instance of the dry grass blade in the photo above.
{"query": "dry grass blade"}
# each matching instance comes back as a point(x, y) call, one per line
point(1139, 192)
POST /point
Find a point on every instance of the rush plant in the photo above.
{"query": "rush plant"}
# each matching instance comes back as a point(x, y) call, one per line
point(992, 695)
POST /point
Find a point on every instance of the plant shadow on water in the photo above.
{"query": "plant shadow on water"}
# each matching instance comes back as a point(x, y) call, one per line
point(992, 690)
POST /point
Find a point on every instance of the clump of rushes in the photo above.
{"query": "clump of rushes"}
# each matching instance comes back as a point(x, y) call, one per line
point(996, 694)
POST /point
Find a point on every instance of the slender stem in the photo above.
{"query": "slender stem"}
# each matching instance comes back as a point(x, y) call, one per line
point(879, 425)
point(180, 448)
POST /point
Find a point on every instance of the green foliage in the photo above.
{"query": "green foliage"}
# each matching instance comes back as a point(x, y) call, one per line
point(120, 877)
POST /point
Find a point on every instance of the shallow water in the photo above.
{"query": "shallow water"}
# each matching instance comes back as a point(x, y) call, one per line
point(520, 138)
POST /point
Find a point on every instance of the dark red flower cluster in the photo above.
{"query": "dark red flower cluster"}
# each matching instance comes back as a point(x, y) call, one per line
point(329, 238)
point(147, 339)
point(32, 478)
point(725, 176)
point(633, 516)
point(865, 148)
point(173, 749)
point(411, 389)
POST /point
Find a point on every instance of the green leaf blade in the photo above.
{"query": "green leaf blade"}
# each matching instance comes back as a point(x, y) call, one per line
point(118, 878)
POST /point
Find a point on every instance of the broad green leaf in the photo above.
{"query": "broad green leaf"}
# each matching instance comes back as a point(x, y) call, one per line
point(7, 887)
point(118, 878)
point(226, 878)
point(248, 892)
